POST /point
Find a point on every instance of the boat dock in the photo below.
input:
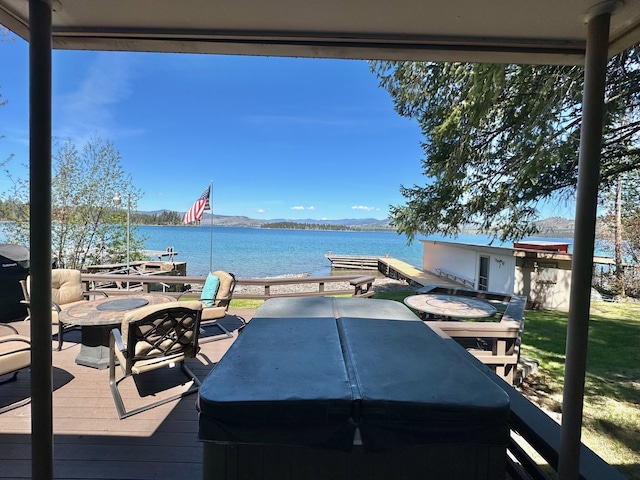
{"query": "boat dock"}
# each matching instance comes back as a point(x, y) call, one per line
point(353, 262)
point(399, 270)
point(391, 268)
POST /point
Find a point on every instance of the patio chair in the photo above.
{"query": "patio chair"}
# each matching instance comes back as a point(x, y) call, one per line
point(15, 355)
point(216, 295)
point(66, 291)
point(150, 338)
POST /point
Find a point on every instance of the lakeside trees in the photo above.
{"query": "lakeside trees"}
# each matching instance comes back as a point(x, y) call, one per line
point(87, 227)
point(322, 226)
point(621, 229)
point(502, 139)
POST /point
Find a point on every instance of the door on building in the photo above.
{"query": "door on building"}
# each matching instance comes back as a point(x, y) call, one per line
point(483, 273)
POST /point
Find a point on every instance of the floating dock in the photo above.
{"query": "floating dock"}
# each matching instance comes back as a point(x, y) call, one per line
point(353, 262)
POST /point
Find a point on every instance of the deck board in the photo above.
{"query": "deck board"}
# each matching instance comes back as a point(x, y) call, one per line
point(394, 268)
point(90, 442)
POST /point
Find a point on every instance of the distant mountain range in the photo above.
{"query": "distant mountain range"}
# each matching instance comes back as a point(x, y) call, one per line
point(549, 227)
point(242, 221)
point(556, 227)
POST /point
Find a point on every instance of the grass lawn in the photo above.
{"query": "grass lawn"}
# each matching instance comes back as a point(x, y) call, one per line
point(611, 420)
point(245, 303)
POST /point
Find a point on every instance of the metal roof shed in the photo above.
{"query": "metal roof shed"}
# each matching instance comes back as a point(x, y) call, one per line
point(546, 31)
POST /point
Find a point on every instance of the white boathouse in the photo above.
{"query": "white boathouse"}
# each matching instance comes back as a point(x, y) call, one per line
point(537, 269)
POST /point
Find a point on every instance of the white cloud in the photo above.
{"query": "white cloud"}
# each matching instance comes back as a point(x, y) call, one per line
point(90, 108)
point(297, 207)
point(363, 207)
point(260, 210)
point(311, 207)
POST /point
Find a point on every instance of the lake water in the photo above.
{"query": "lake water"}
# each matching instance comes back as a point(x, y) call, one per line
point(257, 252)
point(265, 252)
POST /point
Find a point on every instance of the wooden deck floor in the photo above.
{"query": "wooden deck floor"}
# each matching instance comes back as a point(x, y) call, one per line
point(90, 442)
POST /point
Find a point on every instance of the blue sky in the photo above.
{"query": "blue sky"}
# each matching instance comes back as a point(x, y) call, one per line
point(279, 138)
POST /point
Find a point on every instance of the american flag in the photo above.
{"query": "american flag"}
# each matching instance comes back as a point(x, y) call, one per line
point(198, 208)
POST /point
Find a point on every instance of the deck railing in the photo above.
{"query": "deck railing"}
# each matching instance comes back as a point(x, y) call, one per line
point(359, 286)
point(533, 432)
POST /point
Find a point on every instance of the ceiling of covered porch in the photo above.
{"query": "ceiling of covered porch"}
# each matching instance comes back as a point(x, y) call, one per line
point(513, 31)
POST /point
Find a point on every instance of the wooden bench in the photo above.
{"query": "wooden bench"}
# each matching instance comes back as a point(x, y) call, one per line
point(363, 286)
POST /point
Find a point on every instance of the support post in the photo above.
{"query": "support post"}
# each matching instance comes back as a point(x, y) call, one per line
point(40, 237)
point(583, 246)
point(128, 236)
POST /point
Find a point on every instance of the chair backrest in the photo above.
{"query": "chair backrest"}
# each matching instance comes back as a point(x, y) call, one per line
point(226, 288)
point(164, 330)
point(66, 287)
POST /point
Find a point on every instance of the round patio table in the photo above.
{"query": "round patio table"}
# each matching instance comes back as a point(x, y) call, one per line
point(96, 318)
point(453, 306)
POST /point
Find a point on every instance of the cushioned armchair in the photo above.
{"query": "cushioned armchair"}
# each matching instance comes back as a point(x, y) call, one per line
point(154, 337)
point(15, 355)
point(216, 295)
point(66, 291)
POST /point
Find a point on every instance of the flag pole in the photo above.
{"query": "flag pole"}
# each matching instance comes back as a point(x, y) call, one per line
point(211, 233)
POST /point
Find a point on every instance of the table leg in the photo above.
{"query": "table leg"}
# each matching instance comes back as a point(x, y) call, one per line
point(94, 349)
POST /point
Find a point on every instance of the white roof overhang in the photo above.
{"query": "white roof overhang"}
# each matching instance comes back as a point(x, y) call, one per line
point(501, 31)
point(505, 31)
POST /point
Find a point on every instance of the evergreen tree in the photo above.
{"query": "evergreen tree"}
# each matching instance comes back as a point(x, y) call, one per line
point(502, 139)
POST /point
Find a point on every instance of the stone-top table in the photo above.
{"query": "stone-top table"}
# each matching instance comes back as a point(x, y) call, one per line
point(450, 306)
point(96, 318)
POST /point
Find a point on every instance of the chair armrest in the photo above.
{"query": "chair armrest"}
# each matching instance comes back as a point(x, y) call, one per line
point(226, 298)
point(89, 293)
point(117, 340)
point(10, 327)
point(56, 306)
point(18, 338)
point(190, 293)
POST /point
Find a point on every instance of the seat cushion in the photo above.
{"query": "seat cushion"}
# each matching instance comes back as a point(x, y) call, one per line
point(225, 284)
point(213, 313)
point(66, 286)
point(15, 353)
